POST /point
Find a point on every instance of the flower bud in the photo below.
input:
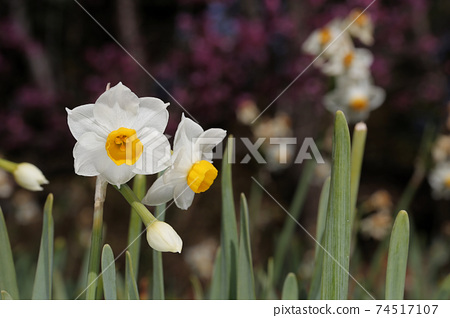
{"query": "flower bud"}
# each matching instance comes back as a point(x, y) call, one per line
point(28, 176)
point(162, 237)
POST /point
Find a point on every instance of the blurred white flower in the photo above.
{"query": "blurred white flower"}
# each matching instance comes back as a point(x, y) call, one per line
point(162, 237)
point(247, 111)
point(28, 176)
point(320, 39)
point(200, 257)
point(120, 136)
point(377, 225)
point(191, 170)
point(355, 98)
point(354, 64)
point(441, 149)
point(26, 208)
point(362, 27)
point(439, 180)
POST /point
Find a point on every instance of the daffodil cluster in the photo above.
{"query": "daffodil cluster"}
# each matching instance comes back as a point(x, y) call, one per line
point(122, 135)
point(336, 56)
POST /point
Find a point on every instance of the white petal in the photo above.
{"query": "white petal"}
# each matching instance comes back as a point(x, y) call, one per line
point(377, 96)
point(159, 193)
point(183, 159)
point(152, 113)
point(86, 152)
point(114, 174)
point(156, 154)
point(210, 138)
point(187, 130)
point(117, 107)
point(183, 196)
point(81, 120)
point(332, 101)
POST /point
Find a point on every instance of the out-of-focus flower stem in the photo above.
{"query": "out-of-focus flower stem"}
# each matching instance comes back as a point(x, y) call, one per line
point(8, 165)
point(96, 238)
point(420, 169)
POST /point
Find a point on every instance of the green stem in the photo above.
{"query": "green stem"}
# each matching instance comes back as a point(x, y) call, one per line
point(145, 215)
point(96, 238)
point(158, 271)
point(135, 226)
point(8, 165)
point(358, 143)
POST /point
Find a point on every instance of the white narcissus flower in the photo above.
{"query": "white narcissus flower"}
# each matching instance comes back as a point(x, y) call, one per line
point(28, 176)
point(354, 64)
point(319, 41)
point(162, 237)
point(439, 180)
point(120, 136)
point(355, 98)
point(361, 26)
point(191, 171)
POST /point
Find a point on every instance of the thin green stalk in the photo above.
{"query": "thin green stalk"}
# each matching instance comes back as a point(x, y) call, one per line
point(358, 143)
point(96, 239)
point(337, 229)
point(420, 169)
point(229, 236)
point(158, 271)
point(145, 215)
point(135, 226)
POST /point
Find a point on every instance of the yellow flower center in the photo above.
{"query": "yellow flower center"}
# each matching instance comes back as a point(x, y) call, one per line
point(359, 103)
point(123, 146)
point(325, 36)
point(348, 59)
point(201, 176)
point(447, 181)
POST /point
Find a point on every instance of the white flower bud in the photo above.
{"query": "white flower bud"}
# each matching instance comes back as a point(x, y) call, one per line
point(162, 237)
point(28, 176)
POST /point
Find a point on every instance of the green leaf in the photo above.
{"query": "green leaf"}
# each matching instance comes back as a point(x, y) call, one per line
point(397, 257)
point(109, 273)
point(42, 288)
point(131, 285)
point(285, 238)
point(444, 290)
point(158, 271)
point(314, 290)
point(5, 295)
point(229, 236)
point(8, 280)
point(269, 288)
point(337, 230)
point(290, 288)
point(358, 144)
point(218, 287)
point(135, 226)
point(245, 277)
